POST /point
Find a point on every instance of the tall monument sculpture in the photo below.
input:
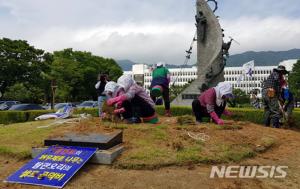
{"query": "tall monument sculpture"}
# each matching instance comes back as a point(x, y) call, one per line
point(210, 59)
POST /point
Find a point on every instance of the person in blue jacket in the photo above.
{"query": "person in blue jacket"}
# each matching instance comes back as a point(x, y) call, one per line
point(287, 104)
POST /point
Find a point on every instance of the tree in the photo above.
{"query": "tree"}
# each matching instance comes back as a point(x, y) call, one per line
point(76, 73)
point(21, 93)
point(21, 63)
point(30, 71)
point(294, 79)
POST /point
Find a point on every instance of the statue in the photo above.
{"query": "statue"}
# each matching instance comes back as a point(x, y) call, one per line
point(210, 51)
point(201, 24)
point(226, 47)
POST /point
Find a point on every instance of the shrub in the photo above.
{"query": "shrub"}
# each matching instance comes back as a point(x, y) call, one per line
point(92, 111)
point(239, 114)
point(7, 117)
point(257, 115)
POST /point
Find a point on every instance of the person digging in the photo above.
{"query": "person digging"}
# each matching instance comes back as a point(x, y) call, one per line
point(133, 103)
point(271, 96)
point(212, 103)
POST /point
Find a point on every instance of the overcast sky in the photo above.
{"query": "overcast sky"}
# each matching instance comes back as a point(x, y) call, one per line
point(146, 31)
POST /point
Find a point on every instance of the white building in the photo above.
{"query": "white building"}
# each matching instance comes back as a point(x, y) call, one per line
point(143, 73)
point(260, 73)
point(180, 76)
point(289, 64)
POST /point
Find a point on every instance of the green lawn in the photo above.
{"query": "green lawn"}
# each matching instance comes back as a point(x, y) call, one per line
point(18, 139)
point(146, 146)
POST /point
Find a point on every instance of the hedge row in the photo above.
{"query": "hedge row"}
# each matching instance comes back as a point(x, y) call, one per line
point(7, 117)
point(239, 114)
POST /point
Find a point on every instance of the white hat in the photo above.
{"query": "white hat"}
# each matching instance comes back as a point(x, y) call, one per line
point(160, 64)
point(111, 87)
point(125, 81)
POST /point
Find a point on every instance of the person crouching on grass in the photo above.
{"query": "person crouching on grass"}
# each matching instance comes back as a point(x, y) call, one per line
point(111, 90)
point(212, 103)
point(133, 102)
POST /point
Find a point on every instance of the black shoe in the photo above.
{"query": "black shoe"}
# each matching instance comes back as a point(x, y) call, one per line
point(276, 124)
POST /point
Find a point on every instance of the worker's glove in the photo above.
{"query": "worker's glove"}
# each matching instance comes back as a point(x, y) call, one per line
point(119, 111)
point(119, 104)
point(227, 113)
point(117, 100)
point(216, 118)
point(220, 122)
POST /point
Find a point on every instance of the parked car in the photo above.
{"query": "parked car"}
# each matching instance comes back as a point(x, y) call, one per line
point(47, 106)
point(23, 107)
point(5, 105)
point(88, 104)
point(61, 105)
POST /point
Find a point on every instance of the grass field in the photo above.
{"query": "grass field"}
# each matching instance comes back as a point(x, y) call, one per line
point(165, 155)
point(147, 146)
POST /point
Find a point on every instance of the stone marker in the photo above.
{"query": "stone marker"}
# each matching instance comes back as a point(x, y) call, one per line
point(100, 141)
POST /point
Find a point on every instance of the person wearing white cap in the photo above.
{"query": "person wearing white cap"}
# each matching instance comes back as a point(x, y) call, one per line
point(160, 85)
point(133, 102)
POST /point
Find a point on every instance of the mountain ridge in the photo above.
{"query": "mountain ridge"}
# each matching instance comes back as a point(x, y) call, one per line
point(261, 58)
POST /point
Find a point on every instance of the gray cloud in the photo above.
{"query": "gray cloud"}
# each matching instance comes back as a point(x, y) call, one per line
point(143, 30)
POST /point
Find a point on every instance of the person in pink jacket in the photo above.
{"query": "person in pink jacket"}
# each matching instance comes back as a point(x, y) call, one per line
point(133, 102)
point(212, 103)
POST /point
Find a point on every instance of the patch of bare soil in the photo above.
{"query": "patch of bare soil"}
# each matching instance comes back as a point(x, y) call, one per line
point(284, 150)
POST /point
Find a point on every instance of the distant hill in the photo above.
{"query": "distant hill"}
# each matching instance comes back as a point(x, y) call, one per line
point(179, 66)
point(263, 58)
point(126, 65)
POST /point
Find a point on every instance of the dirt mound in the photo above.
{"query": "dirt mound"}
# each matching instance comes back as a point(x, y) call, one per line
point(192, 148)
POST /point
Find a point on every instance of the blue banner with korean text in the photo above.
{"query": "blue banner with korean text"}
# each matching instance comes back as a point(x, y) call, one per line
point(54, 167)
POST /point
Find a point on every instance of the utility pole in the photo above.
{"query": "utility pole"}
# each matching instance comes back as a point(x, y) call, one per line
point(53, 88)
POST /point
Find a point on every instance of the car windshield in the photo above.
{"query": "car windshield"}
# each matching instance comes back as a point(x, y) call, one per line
point(61, 105)
point(58, 106)
point(18, 107)
point(10, 103)
point(86, 104)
